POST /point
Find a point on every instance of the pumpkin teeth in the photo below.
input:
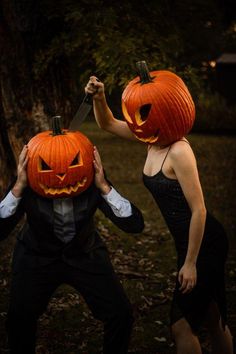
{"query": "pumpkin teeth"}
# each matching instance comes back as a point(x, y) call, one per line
point(151, 139)
point(67, 190)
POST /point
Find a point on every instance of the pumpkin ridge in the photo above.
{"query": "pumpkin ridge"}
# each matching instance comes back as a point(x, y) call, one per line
point(179, 113)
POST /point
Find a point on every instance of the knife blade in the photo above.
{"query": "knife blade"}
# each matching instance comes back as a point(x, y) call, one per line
point(82, 112)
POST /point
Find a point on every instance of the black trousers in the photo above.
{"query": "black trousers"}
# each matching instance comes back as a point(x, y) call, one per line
point(31, 290)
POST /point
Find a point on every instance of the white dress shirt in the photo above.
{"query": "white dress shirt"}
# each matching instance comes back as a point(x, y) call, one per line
point(8, 205)
point(64, 226)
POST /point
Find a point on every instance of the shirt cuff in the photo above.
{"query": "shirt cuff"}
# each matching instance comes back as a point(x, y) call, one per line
point(10, 198)
point(8, 205)
point(120, 206)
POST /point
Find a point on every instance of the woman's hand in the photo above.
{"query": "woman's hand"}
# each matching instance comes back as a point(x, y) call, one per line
point(21, 181)
point(187, 277)
point(99, 178)
point(102, 113)
point(95, 87)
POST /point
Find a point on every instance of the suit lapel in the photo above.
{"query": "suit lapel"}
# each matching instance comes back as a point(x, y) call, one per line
point(80, 204)
point(45, 208)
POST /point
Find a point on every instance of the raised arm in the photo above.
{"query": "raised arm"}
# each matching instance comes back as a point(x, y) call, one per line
point(21, 181)
point(118, 209)
point(10, 207)
point(9, 204)
point(102, 112)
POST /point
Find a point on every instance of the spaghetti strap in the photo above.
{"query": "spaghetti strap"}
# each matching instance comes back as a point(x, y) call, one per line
point(185, 141)
point(168, 152)
point(165, 158)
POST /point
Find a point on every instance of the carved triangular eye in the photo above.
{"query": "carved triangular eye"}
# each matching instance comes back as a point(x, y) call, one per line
point(75, 161)
point(44, 166)
point(144, 111)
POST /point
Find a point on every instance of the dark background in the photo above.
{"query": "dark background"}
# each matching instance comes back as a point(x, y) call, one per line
point(48, 50)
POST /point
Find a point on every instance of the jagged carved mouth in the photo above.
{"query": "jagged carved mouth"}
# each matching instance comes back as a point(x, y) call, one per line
point(61, 190)
point(151, 139)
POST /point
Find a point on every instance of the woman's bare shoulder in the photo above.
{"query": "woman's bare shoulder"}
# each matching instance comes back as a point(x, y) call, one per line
point(181, 150)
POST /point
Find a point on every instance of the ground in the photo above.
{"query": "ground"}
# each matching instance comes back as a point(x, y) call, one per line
point(145, 262)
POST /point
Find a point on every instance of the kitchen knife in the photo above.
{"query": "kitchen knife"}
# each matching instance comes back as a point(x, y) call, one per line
point(82, 112)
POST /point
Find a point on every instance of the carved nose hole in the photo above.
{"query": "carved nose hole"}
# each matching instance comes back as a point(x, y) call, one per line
point(61, 176)
point(144, 111)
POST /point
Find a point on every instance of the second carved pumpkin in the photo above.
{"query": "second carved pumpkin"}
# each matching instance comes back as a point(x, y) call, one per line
point(60, 162)
point(157, 106)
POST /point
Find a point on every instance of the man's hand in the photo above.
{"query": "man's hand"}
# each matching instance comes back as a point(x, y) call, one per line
point(99, 178)
point(21, 181)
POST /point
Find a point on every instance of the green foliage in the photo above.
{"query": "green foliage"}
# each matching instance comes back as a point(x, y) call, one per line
point(107, 39)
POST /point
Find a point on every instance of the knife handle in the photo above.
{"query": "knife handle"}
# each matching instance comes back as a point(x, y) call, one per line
point(88, 98)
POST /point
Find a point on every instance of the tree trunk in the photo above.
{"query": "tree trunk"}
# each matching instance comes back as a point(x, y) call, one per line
point(27, 100)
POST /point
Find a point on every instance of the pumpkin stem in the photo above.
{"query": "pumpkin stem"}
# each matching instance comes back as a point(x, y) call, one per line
point(143, 72)
point(56, 126)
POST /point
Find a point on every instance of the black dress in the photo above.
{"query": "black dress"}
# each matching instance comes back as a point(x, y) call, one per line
point(210, 285)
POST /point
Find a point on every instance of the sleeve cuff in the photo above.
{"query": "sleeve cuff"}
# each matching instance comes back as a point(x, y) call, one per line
point(10, 198)
point(121, 207)
point(8, 205)
point(112, 196)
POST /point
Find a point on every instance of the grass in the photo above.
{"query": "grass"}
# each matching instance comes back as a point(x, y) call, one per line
point(145, 263)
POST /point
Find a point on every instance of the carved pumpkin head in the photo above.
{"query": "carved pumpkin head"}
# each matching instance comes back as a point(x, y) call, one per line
point(60, 162)
point(157, 106)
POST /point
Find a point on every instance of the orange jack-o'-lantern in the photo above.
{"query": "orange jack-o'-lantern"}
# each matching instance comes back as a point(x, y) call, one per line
point(157, 106)
point(60, 162)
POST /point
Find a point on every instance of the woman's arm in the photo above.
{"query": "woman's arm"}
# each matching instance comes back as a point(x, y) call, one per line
point(185, 168)
point(103, 115)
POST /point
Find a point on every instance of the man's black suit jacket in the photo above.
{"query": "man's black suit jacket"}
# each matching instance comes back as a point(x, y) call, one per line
point(37, 245)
